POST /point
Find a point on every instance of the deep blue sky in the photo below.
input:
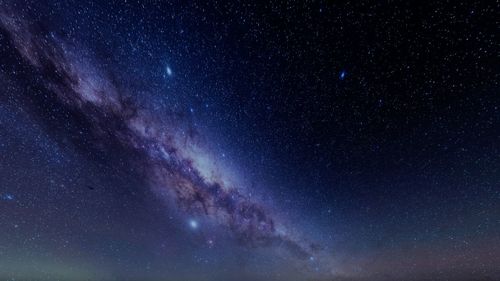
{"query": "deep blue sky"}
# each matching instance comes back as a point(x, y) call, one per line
point(364, 135)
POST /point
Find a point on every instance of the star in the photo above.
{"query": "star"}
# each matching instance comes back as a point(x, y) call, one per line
point(169, 71)
point(342, 75)
point(193, 224)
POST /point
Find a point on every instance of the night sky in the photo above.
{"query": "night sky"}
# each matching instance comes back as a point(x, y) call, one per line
point(309, 140)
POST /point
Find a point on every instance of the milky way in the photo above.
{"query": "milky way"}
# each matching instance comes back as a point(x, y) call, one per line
point(175, 164)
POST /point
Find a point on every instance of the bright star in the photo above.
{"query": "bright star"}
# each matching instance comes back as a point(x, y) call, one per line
point(193, 224)
point(342, 75)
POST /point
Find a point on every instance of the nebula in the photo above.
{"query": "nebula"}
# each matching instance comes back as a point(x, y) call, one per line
point(174, 164)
